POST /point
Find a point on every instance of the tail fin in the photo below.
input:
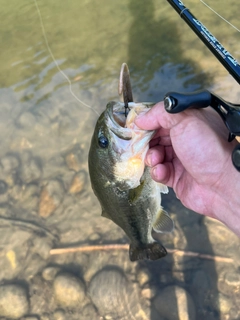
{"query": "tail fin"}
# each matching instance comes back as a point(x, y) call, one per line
point(151, 251)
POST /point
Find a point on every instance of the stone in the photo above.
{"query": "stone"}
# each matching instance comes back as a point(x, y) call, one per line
point(13, 301)
point(174, 303)
point(49, 273)
point(232, 279)
point(69, 291)
point(78, 182)
point(50, 198)
point(30, 171)
point(143, 277)
point(114, 295)
point(3, 187)
point(73, 162)
point(9, 163)
point(225, 303)
point(59, 314)
point(26, 120)
point(89, 312)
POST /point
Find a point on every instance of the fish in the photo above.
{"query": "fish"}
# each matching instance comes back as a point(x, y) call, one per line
point(122, 183)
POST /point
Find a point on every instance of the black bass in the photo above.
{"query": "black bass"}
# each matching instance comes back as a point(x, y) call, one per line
point(121, 182)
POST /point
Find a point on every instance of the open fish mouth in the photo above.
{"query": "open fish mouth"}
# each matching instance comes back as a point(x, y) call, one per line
point(120, 124)
point(129, 143)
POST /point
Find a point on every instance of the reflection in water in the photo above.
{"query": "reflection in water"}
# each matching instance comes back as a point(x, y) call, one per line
point(45, 195)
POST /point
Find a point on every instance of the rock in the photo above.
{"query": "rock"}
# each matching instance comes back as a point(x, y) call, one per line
point(174, 303)
point(26, 120)
point(78, 182)
point(50, 198)
point(30, 318)
point(73, 161)
point(225, 303)
point(3, 187)
point(232, 279)
point(13, 301)
point(113, 295)
point(69, 291)
point(30, 169)
point(143, 277)
point(45, 316)
point(9, 163)
point(89, 312)
point(42, 247)
point(49, 273)
point(59, 314)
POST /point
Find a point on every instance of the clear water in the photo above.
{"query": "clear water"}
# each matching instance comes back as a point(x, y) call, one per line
point(46, 133)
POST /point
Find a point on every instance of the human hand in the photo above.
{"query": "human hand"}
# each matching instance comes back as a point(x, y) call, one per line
point(191, 154)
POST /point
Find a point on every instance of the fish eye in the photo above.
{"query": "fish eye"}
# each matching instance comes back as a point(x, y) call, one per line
point(103, 142)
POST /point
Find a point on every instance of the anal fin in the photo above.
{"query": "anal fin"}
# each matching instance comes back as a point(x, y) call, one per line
point(163, 223)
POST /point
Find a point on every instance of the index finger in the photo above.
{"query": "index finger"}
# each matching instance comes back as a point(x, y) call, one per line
point(158, 117)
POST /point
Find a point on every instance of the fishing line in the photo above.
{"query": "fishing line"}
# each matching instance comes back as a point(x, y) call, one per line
point(55, 61)
point(220, 16)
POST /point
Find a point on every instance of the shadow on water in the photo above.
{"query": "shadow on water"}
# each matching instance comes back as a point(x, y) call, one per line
point(156, 56)
point(154, 51)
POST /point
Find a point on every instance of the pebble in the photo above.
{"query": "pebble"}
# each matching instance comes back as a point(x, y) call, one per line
point(143, 277)
point(49, 273)
point(30, 318)
point(225, 303)
point(30, 171)
point(3, 187)
point(26, 120)
point(89, 312)
point(174, 303)
point(232, 279)
point(69, 291)
point(73, 162)
point(42, 247)
point(13, 301)
point(78, 182)
point(59, 314)
point(45, 316)
point(50, 198)
point(9, 163)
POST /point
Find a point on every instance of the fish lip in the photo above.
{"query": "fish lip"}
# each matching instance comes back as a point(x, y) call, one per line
point(114, 126)
point(120, 131)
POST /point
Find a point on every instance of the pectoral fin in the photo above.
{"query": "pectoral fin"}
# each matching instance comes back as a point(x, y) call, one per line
point(163, 223)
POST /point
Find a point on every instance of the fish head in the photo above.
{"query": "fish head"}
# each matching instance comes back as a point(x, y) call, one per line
point(118, 146)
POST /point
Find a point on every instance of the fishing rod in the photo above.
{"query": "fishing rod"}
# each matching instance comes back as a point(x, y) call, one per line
point(229, 112)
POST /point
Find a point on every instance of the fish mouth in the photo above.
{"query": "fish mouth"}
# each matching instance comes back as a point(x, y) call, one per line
point(117, 117)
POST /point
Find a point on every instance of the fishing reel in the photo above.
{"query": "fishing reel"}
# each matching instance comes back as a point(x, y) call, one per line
point(230, 113)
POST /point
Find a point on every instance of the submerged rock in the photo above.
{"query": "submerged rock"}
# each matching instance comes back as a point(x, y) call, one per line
point(78, 182)
point(69, 291)
point(13, 301)
point(114, 296)
point(50, 198)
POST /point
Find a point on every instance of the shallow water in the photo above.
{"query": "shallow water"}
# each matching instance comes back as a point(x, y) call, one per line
point(45, 196)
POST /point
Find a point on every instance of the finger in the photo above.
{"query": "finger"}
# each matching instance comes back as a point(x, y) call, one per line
point(155, 155)
point(157, 117)
point(163, 173)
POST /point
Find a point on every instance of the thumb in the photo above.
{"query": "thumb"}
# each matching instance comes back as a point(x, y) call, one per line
point(157, 117)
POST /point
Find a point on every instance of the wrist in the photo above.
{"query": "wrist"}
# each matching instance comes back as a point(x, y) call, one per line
point(226, 204)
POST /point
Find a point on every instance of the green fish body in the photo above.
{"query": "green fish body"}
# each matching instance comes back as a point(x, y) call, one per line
point(121, 182)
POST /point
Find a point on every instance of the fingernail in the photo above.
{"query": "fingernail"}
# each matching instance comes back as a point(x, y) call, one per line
point(153, 173)
point(149, 159)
